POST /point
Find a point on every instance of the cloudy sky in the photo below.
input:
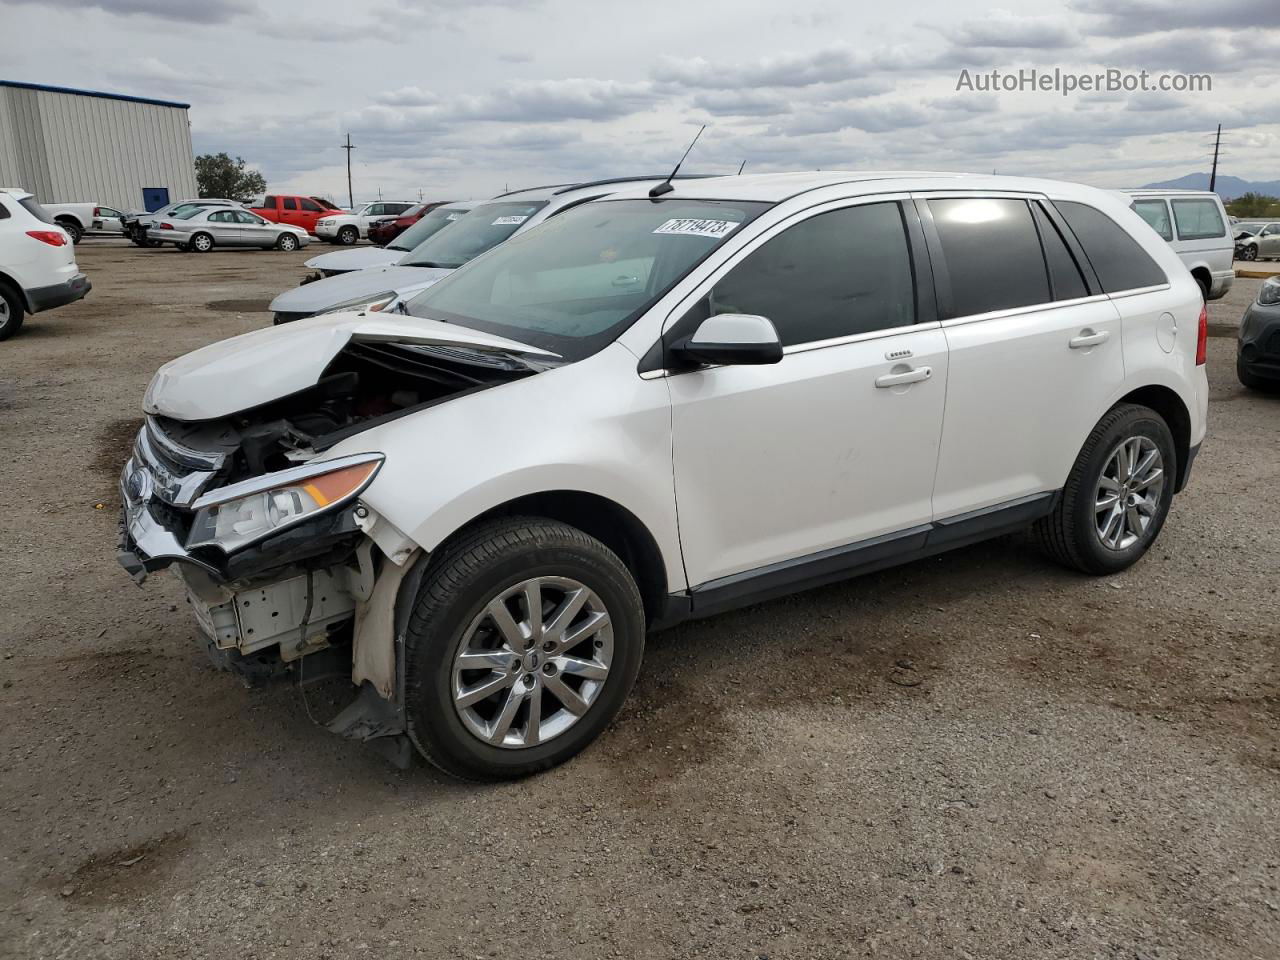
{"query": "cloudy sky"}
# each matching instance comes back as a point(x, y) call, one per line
point(459, 98)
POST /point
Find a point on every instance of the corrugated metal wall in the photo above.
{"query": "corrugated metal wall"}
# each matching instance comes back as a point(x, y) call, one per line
point(64, 147)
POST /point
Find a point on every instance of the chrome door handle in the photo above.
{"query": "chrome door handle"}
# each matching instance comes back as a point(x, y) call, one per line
point(1087, 338)
point(910, 376)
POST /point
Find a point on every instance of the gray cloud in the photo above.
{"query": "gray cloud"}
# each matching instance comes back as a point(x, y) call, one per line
point(1123, 18)
point(204, 12)
point(1004, 30)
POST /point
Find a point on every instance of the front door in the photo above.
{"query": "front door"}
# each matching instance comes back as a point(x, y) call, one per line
point(837, 443)
point(225, 228)
point(255, 231)
point(1030, 372)
point(153, 198)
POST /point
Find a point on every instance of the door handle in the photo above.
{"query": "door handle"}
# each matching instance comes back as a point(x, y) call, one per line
point(914, 375)
point(1087, 338)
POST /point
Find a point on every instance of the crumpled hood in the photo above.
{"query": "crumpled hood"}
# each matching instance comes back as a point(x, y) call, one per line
point(255, 368)
point(331, 291)
point(357, 258)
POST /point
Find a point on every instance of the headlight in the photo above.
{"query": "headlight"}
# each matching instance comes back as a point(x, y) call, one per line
point(324, 223)
point(1270, 292)
point(240, 514)
point(370, 303)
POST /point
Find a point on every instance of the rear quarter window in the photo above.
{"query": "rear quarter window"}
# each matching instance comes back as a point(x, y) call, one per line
point(1198, 220)
point(1118, 259)
point(268, 203)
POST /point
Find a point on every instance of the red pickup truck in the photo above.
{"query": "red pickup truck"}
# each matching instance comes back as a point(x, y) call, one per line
point(299, 211)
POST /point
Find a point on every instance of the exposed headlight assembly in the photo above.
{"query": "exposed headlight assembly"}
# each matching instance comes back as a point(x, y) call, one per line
point(1270, 292)
point(235, 516)
point(370, 304)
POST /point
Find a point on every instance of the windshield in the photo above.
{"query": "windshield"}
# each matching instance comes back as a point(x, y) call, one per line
point(574, 283)
point(482, 229)
point(431, 224)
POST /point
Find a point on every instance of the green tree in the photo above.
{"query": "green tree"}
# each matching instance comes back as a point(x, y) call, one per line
point(217, 175)
point(1253, 205)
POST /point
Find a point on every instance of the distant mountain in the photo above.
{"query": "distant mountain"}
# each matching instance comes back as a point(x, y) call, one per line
point(1228, 187)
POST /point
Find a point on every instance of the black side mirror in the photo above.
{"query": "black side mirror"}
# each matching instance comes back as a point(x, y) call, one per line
point(731, 339)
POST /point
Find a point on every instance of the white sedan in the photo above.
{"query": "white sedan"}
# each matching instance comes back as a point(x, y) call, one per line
point(347, 228)
point(202, 228)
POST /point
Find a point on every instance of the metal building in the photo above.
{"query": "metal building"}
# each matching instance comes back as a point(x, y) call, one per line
point(69, 145)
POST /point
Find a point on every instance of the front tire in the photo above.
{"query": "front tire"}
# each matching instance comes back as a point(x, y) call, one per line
point(1249, 253)
point(348, 236)
point(11, 312)
point(1117, 496)
point(525, 639)
point(201, 243)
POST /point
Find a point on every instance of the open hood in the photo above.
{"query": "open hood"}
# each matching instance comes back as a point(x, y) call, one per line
point(264, 365)
point(331, 291)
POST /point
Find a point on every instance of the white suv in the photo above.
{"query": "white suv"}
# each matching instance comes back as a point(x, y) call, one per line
point(660, 405)
point(347, 228)
point(1204, 240)
point(37, 262)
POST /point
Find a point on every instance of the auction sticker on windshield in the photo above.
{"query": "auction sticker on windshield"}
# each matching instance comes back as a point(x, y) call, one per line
point(698, 228)
point(506, 221)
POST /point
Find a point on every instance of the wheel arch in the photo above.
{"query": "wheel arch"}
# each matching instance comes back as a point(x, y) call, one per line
point(1166, 402)
point(608, 521)
point(1203, 276)
point(60, 217)
point(8, 280)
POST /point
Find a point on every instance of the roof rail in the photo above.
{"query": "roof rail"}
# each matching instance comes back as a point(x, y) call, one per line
point(661, 176)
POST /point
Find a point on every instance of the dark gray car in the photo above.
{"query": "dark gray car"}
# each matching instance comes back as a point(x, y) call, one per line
point(1258, 349)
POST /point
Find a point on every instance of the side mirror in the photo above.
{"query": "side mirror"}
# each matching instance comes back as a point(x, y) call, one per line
point(731, 339)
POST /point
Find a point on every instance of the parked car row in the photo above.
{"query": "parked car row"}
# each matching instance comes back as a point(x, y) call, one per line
point(600, 409)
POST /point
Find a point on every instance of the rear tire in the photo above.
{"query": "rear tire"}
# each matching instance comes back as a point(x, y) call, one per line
point(287, 242)
point(492, 568)
point(74, 230)
point(11, 311)
point(201, 243)
point(348, 236)
point(1085, 531)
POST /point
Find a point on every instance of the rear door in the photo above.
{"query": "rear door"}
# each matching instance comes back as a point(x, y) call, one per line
point(289, 210)
point(834, 446)
point(1035, 350)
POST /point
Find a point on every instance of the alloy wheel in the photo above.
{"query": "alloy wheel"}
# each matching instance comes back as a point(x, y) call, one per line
point(533, 662)
point(1128, 496)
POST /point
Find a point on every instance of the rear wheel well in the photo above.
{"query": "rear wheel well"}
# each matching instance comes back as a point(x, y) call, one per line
point(15, 288)
point(612, 524)
point(1204, 278)
point(1170, 406)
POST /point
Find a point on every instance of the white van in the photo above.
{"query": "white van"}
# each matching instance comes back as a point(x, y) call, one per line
point(1195, 224)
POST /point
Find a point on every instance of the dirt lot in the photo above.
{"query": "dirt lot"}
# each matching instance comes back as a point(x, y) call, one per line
point(978, 755)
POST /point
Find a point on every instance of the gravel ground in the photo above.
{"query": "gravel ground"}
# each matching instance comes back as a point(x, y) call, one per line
point(977, 755)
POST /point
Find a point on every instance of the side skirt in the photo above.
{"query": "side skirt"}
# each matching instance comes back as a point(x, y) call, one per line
point(865, 556)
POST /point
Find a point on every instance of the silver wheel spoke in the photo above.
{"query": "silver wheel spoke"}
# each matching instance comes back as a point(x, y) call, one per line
point(1133, 520)
point(497, 660)
point(506, 624)
point(577, 667)
point(533, 608)
point(565, 615)
point(1107, 502)
point(502, 722)
point(570, 698)
point(533, 729)
point(1148, 479)
point(1108, 484)
point(1145, 465)
point(472, 695)
point(1114, 523)
point(592, 625)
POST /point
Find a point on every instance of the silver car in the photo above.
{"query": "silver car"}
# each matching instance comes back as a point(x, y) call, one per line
point(1257, 240)
point(202, 228)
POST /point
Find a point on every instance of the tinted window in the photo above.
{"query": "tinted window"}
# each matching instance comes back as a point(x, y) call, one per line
point(1117, 259)
point(268, 203)
point(1065, 277)
point(992, 254)
point(309, 205)
point(33, 207)
point(833, 275)
point(395, 207)
point(290, 203)
point(4, 213)
point(1156, 213)
point(1198, 219)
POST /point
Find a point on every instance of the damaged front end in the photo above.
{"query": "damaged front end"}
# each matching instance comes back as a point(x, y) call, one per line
point(280, 558)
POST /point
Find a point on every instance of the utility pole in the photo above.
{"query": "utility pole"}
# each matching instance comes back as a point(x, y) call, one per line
point(1213, 175)
point(351, 197)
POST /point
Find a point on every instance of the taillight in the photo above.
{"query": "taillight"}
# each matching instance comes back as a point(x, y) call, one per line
point(97, 211)
point(166, 226)
point(1202, 337)
point(54, 238)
